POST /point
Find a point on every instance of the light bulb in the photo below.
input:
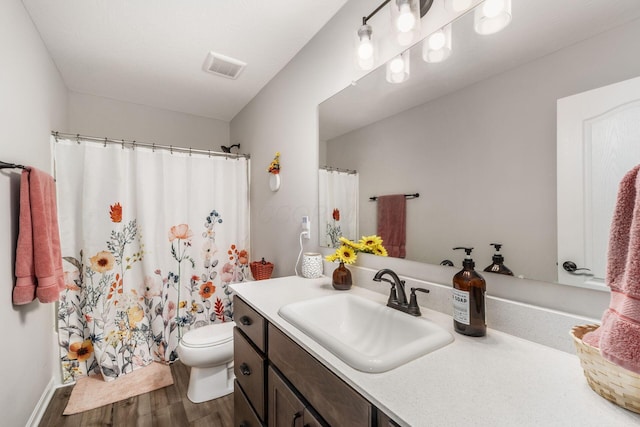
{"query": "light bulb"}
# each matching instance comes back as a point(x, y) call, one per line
point(493, 8)
point(437, 40)
point(492, 16)
point(458, 5)
point(365, 49)
point(396, 65)
point(405, 21)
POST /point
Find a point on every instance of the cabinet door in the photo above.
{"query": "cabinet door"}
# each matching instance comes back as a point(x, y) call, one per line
point(310, 420)
point(243, 414)
point(285, 409)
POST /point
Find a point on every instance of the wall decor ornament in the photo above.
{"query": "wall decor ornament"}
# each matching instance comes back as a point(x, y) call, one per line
point(274, 173)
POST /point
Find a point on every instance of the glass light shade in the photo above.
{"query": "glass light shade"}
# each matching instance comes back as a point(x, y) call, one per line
point(437, 46)
point(492, 16)
point(398, 68)
point(365, 50)
point(457, 5)
point(405, 17)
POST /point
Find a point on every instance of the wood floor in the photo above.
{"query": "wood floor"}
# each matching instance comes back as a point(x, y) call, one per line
point(168, 406)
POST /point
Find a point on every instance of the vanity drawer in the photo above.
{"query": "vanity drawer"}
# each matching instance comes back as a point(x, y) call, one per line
point(331, 397)
point(250, 322)
point(244, 416)
point(249, 369)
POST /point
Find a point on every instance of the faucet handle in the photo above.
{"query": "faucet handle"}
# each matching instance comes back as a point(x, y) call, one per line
point(413, 308)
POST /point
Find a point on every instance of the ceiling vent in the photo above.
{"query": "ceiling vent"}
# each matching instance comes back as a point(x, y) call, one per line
point(223, 65)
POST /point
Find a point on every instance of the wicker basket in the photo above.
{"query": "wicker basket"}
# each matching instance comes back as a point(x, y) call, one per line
point(261, 270)
point(609, 380)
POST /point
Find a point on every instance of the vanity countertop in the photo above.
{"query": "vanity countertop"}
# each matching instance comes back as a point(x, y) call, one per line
point(496, 380)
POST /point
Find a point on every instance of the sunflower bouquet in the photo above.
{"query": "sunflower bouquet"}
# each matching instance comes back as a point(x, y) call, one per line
point(347, 252)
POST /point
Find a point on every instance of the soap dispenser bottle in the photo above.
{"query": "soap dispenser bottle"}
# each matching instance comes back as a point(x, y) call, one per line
point(468, 299)
point(498, 262)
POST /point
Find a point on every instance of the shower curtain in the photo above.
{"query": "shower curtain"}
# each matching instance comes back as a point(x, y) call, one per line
point(151, 240)
point(338, 194)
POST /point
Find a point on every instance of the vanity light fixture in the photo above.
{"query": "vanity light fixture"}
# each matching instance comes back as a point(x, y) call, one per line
point(492, 16)
point(437, 47)
point(405, 16)
point(398, 68)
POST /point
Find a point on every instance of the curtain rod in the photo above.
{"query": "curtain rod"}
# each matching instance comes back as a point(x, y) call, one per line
point(332, 169)
point(134, 144)
point(6, 165)
point(406, 196)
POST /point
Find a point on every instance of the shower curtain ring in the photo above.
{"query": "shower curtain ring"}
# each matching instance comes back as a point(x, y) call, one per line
point(134, 144)
point(105, 143)
point(78, 138)
point(171, 149)
point(189, 151)
point(153, 147)
point(123, 144)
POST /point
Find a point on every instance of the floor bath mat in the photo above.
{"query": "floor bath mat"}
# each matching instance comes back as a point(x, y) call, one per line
point(93, 392)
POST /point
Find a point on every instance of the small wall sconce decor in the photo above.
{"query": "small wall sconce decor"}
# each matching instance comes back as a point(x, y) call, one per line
point(274, 173)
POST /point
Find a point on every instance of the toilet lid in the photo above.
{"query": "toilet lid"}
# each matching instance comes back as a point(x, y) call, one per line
point(217, 333)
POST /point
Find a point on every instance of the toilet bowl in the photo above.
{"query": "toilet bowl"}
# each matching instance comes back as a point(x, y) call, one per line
point(208, 350)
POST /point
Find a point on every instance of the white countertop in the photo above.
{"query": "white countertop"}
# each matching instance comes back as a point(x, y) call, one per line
point(496, 380)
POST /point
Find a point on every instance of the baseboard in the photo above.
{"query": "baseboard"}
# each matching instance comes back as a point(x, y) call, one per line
point(43, 403)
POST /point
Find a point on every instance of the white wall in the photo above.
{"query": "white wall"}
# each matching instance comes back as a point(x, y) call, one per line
point(283, 117)
point(33, 102)
point(103, 117)
point(486, 171)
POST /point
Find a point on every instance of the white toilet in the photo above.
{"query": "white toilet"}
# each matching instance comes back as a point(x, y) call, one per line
point(208, 350)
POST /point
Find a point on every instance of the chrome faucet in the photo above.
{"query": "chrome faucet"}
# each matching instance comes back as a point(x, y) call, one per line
point(397, 296)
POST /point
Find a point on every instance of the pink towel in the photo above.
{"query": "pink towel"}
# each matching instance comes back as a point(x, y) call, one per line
point(392, 224)
point(38, 256)
point(619, 335)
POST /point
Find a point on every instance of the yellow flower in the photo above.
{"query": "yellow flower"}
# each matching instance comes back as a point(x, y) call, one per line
point(135, 315)
point(102, 262)
point(351, 244)
point(346, 254)
point(380, 251)
point(370, 242)
point(331, 258)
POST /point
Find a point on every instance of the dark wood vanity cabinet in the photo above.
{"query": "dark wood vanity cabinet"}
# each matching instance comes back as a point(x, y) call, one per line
point(279, 384)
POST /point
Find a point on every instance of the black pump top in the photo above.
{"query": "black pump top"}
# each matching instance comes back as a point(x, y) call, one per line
point(467, 263)
point(496, 245)
point(467, 250)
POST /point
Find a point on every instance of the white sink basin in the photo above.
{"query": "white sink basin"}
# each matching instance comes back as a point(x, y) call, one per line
point(366, 335)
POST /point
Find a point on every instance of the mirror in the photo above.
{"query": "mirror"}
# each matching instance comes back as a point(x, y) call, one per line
point(475, 135)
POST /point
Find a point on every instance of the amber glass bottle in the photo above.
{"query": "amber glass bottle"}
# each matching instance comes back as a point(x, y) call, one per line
point(498, 262)
point(468, 299)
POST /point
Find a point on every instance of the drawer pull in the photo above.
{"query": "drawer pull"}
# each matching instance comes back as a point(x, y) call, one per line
point(245, 369)
point(295, 417)
point(246, 321)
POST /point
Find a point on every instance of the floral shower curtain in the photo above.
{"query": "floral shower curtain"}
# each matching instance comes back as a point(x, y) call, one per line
point(338, 194)
point(151, 241)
